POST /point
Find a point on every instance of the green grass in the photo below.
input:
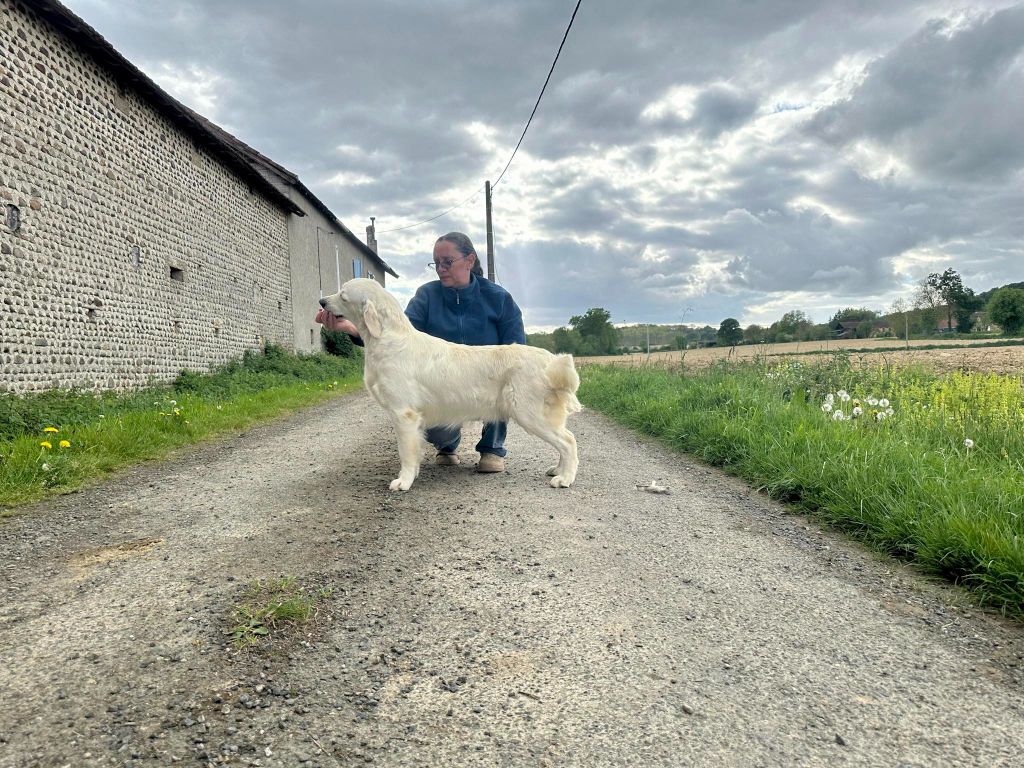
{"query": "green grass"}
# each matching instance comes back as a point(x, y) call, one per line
point(907, 484)
point(272, 605)
point(107, 431)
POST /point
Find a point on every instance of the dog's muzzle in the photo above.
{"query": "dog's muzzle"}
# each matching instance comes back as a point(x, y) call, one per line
point(323, 303)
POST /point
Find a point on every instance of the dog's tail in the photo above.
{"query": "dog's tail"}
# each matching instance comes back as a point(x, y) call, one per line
point(562, 377)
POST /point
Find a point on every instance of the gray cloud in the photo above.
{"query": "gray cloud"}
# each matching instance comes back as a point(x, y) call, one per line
point(950, 99)
point(770, 182)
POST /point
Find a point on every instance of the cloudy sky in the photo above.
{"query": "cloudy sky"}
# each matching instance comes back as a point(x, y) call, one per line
point(689, 161)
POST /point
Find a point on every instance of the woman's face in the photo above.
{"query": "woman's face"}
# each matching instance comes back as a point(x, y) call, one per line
point(453, 269)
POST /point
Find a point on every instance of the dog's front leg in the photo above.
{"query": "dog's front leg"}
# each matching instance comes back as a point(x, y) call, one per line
point(408, 426)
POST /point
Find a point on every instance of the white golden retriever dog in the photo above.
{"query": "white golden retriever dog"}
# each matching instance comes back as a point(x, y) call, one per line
point(422, 381)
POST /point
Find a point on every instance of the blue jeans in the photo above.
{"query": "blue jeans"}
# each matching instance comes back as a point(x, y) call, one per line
point(446, 439)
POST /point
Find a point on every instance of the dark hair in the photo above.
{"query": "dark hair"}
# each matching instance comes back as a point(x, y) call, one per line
point(464, 246)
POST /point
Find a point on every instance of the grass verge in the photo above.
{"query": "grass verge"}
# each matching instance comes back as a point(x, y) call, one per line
point(924, 467)
point(58, 441)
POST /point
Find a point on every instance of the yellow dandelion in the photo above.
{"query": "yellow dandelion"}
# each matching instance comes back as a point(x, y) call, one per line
point(65, 444)
point(51, 429)
point(46, 444)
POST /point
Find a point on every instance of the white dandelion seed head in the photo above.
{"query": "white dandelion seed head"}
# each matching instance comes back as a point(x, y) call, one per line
point(826, 407)
point(843, 396)
point(830, 398)
point(858, 411)
point(838, 416)
point(889, 411)
point(968, 443)
point(884, 403)
point(872, 401)
point(880, 415)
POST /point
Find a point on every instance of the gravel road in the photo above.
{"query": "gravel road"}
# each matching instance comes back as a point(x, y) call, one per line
point(479, 619)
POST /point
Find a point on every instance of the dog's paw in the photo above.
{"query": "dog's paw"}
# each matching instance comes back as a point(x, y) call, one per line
point(400, 484)
point(561, 481)
point(552, 471)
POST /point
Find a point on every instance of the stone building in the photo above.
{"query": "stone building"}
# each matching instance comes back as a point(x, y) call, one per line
point(136, 238)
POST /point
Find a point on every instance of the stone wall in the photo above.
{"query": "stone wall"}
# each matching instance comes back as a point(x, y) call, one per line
point(137, 253)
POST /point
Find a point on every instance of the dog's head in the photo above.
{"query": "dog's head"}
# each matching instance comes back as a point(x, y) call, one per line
point(365, 302)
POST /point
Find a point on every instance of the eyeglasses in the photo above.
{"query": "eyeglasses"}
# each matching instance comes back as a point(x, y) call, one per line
point(443, 264)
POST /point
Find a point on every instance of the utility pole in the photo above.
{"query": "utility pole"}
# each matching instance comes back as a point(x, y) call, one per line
point(490, 232)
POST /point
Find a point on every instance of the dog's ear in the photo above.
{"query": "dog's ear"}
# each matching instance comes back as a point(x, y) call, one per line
point(372, 318)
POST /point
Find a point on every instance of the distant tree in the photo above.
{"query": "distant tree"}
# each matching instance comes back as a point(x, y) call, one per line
point(819, 332)
point(681, 342)
point(958, 300)
point(1006, 307)
point(566, 340)
point(850, 314)
point(902, 307)
point(792, 326)
point(596, 330)
point(753, 334)
point(542, 340)
point(927, 300)
point(707, 333)
point(729, 333)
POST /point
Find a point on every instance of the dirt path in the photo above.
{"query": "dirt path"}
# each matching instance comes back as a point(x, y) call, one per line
point(479, 620)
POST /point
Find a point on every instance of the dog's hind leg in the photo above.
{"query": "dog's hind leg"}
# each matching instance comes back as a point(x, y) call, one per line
point(408, 428)
point(551, 429)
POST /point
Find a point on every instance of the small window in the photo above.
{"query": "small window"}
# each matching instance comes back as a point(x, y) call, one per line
point(357, 267)
point(312, 340)
point(13, 218)
point(178, 274)
point(135, 255)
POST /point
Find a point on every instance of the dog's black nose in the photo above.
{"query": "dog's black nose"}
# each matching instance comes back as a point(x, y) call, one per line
point(323, 302)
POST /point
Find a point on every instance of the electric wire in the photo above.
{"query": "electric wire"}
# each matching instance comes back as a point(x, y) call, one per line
point(438, 216)
point(518, 144)
point(541, 95)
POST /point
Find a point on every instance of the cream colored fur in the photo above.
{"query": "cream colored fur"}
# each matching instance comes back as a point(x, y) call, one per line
point(425, 382)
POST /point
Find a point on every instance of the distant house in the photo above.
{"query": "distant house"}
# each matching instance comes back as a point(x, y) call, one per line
point(845, 329)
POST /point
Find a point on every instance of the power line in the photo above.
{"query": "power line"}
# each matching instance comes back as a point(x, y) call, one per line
point(523, 136)
point(546, 80)
point(438, 216)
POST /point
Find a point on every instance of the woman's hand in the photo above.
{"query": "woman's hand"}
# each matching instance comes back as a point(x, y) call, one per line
point(333, 323)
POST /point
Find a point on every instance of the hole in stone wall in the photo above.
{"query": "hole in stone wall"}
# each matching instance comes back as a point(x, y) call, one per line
point(135, 255)
point(311, 339)
point(177, 325)
point(178, 274)
point(280, 306)
point(216, 332)
point(12, 218)
point(91, 312)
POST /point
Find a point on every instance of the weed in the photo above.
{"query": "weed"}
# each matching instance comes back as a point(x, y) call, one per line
point(270, 606)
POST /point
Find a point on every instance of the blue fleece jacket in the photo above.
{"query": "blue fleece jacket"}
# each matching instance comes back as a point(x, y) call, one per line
point(481, 313)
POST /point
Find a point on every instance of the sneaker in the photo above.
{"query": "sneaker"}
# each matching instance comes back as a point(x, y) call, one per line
point(446, 460)
point(490, 463)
